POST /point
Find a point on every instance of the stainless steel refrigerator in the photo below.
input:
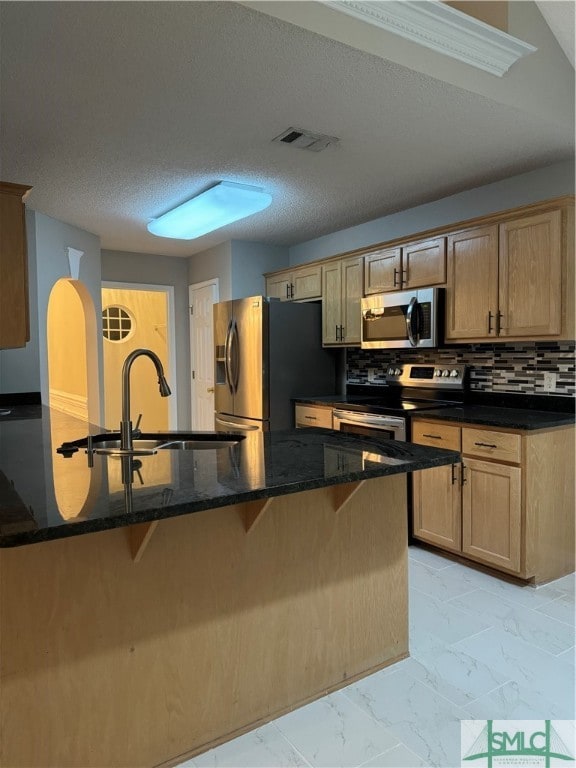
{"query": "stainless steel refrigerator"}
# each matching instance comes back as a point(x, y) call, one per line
point(267, 352)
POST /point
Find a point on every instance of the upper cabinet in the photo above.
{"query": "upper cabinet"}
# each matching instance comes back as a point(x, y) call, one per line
point(512, 280)
point(14, 315)
point(414, 265)
point(509, 276)
point(302, 284)
point(342, 282)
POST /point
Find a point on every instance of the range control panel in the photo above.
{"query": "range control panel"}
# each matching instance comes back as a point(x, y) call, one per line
point(425, 375)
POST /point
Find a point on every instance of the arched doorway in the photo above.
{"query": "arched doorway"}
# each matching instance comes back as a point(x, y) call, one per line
point(72, 351)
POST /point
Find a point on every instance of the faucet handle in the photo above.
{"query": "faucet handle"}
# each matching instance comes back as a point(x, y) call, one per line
point(136, 432)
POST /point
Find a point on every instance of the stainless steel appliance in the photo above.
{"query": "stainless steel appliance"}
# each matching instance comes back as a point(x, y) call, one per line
point(406, 319)
point(412, 388)
point(267, 352)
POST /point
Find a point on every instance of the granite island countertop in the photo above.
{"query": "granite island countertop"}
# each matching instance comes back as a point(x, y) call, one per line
point(45, 496)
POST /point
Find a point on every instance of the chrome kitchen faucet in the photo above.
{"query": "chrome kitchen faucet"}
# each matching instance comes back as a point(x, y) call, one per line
point(126, 434)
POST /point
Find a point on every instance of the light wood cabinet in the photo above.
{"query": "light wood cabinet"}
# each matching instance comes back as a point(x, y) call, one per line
point(342, 283)
point(14, 312)
point(491, 513)
point(472, 291)
point(509, 505)
point(312, 416)
point(302, 284)
point(436, 496)
point(414, 265)
point(506, 281)
point(530, 275)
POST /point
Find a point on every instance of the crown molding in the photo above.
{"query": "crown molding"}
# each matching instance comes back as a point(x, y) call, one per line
point(441, 28)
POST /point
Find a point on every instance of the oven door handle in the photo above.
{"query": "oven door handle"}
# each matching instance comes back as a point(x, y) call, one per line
point(409, 313)
point(364, 418)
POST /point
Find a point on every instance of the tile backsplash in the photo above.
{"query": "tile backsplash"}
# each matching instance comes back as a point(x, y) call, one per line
point(493, 367)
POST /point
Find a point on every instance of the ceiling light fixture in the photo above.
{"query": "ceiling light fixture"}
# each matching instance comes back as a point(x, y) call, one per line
point(218, 206)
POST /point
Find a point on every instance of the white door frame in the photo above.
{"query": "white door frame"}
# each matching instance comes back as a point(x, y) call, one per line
point(194, 286)
point(170, 338)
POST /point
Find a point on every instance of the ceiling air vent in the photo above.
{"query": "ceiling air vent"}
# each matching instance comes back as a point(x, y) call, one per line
point(302, 139)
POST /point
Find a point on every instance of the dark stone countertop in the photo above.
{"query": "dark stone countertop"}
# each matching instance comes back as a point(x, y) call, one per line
point(504, 410)
point(45, 496)
point(506, 418)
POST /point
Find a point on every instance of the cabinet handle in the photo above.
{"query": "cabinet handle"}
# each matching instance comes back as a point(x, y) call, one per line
point(337, 327)
point(453, 476)
point(499, 317)
point(436, 437)
point(287, 291)
point(462, 476)
point(489, 322)
point(396, 279)
point(486, 445)
point(342, 334)
point(404, 279)
point(312, 418)
point(291, 290)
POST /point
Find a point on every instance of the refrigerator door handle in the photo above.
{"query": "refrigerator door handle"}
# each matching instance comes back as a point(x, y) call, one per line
point(235, 356)
point(228, 357)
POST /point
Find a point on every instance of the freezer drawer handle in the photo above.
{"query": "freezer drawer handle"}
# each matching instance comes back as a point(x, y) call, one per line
point(243, 427)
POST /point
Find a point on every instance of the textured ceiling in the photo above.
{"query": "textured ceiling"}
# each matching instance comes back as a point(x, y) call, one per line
point(116, 112)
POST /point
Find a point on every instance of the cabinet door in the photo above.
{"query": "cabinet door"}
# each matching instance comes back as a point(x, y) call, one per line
point(424, 263)
point(472, 291)
point(382, 271)
point(307, 283)
point(14, 313)
point(352, 286)
point(491, 513)
point(436, 507)
point(530, 276)
point(279, 286)
point(331, 302)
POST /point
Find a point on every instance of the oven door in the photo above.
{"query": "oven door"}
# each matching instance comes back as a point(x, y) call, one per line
point(400, 320)
point(369, 425)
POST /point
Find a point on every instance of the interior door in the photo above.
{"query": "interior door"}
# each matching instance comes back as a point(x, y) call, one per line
point(202, 299)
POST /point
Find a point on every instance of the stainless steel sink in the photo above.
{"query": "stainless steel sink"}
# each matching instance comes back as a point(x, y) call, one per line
point(149, 443)
point(146, 447)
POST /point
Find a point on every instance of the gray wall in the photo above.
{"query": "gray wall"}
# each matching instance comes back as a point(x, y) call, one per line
point(26, 370)
point(122, 267)
point(20, 368)
point(52, 239)
point(544, 183)
point(249, 262)
point(215, 262)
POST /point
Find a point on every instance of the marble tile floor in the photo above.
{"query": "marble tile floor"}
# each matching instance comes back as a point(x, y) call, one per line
point(480, 648)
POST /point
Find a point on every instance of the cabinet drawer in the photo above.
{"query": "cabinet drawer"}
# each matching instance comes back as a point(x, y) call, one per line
point(485, 443)
point(438, 435)
point(308, 416)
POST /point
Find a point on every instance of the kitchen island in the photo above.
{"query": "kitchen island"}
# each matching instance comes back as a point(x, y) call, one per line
point(143, 624)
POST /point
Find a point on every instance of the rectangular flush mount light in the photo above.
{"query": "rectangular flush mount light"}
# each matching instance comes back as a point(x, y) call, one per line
point(220, 205)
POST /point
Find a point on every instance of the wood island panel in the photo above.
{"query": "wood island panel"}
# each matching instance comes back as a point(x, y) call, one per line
point(110, 662)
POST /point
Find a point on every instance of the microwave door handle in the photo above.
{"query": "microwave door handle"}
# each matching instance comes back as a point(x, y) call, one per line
point(409, 313)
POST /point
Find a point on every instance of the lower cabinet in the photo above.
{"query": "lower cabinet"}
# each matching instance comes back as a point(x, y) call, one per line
point(312, 416)
point(509, 504)
point(492, 513)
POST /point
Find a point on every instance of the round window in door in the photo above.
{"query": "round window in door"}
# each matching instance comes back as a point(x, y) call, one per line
point(117, 323)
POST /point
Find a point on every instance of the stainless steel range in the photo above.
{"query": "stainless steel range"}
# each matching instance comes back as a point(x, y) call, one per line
point(411, 388)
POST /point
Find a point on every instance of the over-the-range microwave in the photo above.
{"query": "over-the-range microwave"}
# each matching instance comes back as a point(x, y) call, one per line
point(408, 319)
